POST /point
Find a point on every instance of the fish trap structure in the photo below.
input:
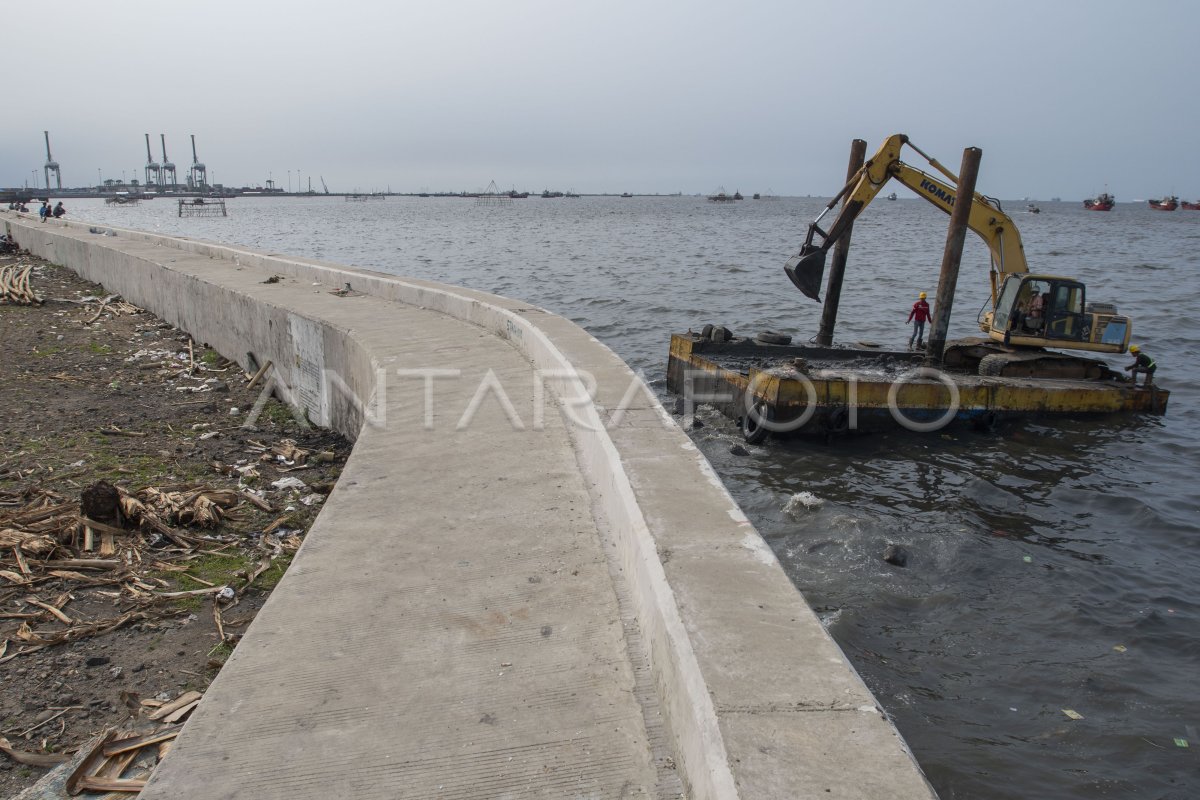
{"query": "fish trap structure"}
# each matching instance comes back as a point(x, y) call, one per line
point(202, 207)
point(492, 196)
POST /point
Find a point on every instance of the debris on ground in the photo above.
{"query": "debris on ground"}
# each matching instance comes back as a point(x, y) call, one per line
point(140, 527)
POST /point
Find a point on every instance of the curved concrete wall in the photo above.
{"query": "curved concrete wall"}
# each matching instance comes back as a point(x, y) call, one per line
point(759, 700)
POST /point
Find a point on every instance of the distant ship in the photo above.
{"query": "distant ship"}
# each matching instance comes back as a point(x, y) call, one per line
point(1102, 203)
point(892, 196)
point(1191, 206)
point(1166, 204)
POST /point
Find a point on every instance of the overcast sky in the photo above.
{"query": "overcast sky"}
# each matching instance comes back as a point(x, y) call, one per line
point(1066, 97)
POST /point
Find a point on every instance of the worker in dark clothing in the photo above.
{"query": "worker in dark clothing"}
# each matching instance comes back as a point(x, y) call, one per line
point(59, 210)
point(1142, 363)
point(918, 317)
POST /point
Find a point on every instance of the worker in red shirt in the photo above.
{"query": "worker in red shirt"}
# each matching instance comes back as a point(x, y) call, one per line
point(918, 317)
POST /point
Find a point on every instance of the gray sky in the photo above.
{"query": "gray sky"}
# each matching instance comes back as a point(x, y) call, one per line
point(1065, 97)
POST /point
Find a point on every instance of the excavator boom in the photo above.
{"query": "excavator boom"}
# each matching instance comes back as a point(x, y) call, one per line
point(1027, 311)
point(986, 218)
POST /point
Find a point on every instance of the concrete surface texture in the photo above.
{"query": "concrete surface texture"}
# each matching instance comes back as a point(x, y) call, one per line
point(524, 585)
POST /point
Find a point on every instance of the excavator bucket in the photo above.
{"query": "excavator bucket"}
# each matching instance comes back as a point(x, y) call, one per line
point(807, 269)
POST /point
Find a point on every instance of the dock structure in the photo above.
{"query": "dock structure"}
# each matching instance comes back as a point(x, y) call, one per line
point(814, 389)
point(518, 588)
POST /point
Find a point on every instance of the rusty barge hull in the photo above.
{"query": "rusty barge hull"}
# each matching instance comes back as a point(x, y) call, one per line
point(808, 389)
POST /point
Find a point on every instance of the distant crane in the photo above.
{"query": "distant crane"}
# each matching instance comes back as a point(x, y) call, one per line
point(51, 165)
point(168, 169)
point(153, 168)
point(323, 186)
point(198, 174)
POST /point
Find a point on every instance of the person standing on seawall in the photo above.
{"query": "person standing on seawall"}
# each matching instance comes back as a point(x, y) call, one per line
point(918, 317)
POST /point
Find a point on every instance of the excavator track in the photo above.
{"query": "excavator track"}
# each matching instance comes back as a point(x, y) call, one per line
point(1042, 364)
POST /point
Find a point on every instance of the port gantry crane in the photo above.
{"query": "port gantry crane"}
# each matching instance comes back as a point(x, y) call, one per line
point(168, 169)
point(198, 174)
point(51, 166)
point(153, 168)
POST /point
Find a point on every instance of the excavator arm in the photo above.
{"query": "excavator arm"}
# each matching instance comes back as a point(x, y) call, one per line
point(986, 219)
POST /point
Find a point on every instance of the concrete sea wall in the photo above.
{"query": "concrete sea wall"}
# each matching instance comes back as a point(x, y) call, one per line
point(758, 701)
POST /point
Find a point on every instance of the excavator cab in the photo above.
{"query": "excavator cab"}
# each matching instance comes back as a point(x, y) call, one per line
point(1049, 311)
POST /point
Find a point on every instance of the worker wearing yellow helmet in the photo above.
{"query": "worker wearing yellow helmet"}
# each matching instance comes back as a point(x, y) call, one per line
point(1142, 363)
point(918, 317)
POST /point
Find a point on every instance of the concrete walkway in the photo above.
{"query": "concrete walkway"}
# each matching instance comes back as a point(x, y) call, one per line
point(449, 628)
point(509, 594)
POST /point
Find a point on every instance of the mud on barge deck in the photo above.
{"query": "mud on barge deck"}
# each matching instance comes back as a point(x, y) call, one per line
point(808, 389)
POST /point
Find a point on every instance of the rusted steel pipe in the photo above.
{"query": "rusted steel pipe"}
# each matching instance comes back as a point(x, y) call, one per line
point(952, 255)
point(841, 251)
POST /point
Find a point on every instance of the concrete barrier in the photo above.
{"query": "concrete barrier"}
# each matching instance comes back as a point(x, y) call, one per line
point(758, 700)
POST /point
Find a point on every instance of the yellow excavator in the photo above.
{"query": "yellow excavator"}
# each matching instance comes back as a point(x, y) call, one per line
point(1028, 313)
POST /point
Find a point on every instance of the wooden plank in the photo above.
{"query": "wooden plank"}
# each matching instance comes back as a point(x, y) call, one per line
point(258, 501)
point(33, 601)
point(180, 713)
point(176, 704)
point(115, 766)
point(90, 762)
point(82, 563)
point(104, 527)
point(118, 746)
point(97, 784)
point(21, 562)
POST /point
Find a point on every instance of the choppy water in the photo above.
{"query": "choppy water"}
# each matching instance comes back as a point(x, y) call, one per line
point(1053, 566)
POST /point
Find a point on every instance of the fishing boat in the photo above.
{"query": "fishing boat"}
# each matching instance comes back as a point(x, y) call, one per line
point(721, 197)
point(1191, 206)
point(1104, 202)
point(1169, 203)
point(892, 196)
point(1033, 209)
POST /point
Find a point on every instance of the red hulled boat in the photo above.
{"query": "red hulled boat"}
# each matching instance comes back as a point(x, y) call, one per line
point(1166, 204)
point(1191, 206)
point(1104, 202)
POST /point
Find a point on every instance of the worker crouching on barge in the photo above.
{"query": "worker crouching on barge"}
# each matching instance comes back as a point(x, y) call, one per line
point(1142, 363)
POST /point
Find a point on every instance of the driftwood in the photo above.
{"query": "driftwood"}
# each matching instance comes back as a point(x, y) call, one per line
point(14, 285)
point(30, 759)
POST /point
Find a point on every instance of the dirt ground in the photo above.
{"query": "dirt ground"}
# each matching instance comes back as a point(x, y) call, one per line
point(94, 634)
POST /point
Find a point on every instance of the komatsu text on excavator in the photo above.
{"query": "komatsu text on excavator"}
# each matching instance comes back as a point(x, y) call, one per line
point(1028, 313)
